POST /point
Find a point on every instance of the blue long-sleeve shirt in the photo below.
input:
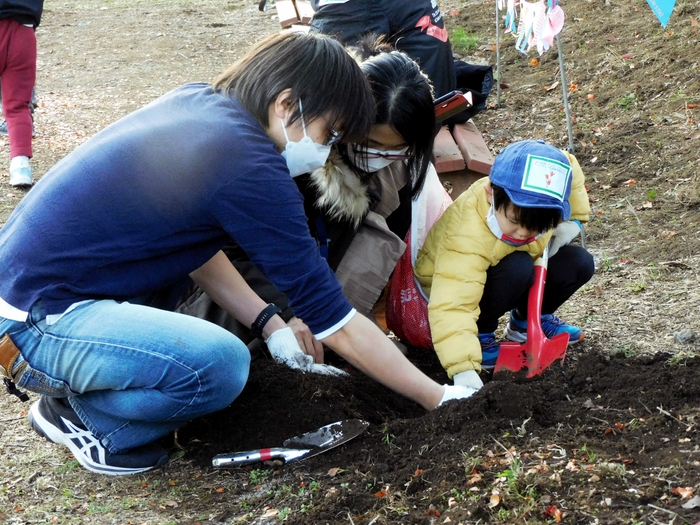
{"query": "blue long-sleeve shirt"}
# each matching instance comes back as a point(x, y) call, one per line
point(153, 197)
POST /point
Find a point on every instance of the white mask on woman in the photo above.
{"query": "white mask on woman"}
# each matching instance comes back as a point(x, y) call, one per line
point(377, 159)
point(306, 155)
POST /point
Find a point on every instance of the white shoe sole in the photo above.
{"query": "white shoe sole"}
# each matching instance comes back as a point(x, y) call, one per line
point(81, 454)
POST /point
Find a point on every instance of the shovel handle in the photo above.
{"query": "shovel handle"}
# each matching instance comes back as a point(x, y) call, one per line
point(239, 459)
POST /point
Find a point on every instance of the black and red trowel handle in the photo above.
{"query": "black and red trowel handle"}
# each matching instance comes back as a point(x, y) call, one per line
point(239, 459)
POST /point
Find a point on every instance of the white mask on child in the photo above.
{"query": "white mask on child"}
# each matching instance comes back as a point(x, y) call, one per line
point(358, 157)
point(306, 155)
point(492, 222)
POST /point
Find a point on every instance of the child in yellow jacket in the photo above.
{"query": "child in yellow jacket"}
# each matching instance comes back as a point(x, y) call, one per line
point(477, 262)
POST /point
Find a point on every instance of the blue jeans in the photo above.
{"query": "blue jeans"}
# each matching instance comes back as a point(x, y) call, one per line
point(132, 373)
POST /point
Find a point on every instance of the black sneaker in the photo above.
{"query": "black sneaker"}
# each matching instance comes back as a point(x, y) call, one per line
point(55, 419)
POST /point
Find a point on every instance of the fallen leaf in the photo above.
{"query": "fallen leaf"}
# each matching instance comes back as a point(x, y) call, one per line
point(474, 479)
point(573, 87)
point(594, 479)
point(626, 56)
point(683, 492)
point(647, 205)
point(590, 96)
point(629, 182)
point(694, 22)
point(550, 88)
point(494, 500)
point(553, 512)
point(380, 494)
point(271, 513)
point(433, 512)
point(691, 106)
point(534, 62)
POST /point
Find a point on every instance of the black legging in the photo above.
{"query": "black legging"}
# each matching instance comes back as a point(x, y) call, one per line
point(508, 283)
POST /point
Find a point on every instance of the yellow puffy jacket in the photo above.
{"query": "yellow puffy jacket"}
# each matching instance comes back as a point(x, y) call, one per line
point(451, 267)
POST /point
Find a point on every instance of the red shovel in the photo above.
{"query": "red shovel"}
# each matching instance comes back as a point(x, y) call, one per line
point(536, 354)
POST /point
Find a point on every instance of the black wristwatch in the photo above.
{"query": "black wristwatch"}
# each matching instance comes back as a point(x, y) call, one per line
point(257, 328)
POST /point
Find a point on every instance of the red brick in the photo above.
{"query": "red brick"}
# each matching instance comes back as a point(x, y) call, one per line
point(286, 12)
point(473, 148)
point(446, 154)
point(304, 10)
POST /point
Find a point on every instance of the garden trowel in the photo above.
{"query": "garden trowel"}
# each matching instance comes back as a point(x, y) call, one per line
point(298, 447)
point(534, 355)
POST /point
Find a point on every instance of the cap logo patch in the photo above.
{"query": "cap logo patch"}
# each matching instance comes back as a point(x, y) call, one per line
point(546, 176)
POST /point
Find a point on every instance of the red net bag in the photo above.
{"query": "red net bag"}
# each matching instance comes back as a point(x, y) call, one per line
point(406, 308)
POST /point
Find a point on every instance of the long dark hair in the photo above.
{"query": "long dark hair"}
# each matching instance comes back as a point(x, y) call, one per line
point(317, 69)
point(404, 100)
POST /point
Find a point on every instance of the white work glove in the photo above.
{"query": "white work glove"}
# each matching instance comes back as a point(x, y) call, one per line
point(468, 378)
point(564, 233)
point(284, 348)
point(466, 384)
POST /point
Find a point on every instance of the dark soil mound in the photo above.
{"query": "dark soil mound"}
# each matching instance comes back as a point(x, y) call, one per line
point(592, 405)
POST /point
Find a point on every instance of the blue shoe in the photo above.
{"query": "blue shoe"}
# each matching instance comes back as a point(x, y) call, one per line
point(21, 177)
point(516, 330)
point(489, 350)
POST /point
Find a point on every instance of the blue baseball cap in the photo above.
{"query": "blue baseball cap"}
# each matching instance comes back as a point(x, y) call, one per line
point(534, 174)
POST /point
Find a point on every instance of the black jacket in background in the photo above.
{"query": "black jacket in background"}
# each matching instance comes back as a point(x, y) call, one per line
point(23, 11)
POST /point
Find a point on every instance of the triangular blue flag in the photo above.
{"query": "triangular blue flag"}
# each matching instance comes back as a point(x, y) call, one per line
point(662, 9)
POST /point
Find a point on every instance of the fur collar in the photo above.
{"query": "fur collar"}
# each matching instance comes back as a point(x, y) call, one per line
point(340, 190)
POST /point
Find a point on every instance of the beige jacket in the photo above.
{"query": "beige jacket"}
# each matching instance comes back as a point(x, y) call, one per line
point(451, 267)
point(374, 251)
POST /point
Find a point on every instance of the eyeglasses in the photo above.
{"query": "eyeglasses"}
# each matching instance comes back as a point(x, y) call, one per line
point(370, 153)
point(334, 137)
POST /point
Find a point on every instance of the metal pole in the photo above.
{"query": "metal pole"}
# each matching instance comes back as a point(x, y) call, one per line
point(565, 88)
point(498, 57)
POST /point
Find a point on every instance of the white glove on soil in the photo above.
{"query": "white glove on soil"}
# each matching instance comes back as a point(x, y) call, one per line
point(285, 349)
point(564, 233)
point(326, 370)
point(468, 378)
point(453, 392)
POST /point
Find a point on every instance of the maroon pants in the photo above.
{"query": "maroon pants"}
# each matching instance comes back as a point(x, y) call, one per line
point(17, 75)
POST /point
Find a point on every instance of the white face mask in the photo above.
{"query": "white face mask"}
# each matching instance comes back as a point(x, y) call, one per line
point(495, 228)
point(377, 159)
point(306, 155)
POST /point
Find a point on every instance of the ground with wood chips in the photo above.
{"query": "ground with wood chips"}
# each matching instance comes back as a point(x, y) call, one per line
point(609, 437)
